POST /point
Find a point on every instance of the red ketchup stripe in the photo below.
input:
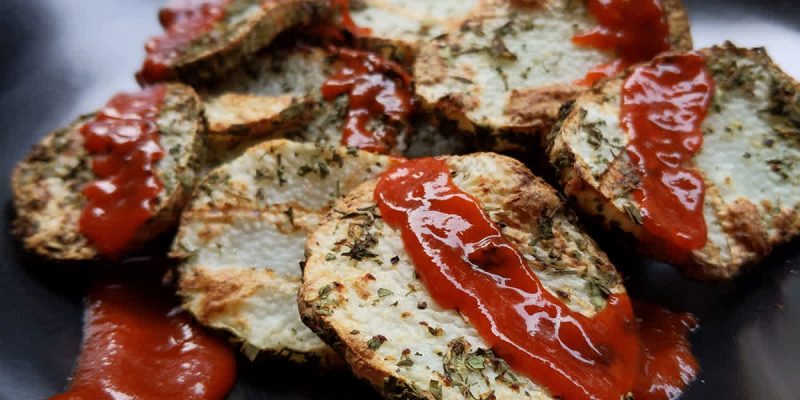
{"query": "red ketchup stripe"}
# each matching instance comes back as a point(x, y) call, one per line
point(636, 30)
point(138, 346)
point(347, 19)
point(123, 140)
point(467, 265)
point(663, 107)
point(376, 88)
point(183, 21)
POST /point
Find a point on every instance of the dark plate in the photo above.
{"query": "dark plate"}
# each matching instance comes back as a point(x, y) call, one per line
point(61, 58)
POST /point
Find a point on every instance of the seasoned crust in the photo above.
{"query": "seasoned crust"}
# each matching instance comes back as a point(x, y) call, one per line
point(277, 95)
point(47, 185)
point(751, 145)
point(241, 239)
point(400, 27)
point(360, 293)
point(248, 26)
point(505, 72)
point(266, 96)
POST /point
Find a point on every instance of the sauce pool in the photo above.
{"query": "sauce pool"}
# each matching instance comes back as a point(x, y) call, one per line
point(668, 365)
point(377, 89)
point(635, 30)
point(137, 345)
point(123, 140)
point(467, 265)
point(663, 107)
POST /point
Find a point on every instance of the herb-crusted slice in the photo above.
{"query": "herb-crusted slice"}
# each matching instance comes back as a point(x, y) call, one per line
point(750, 161)
point(508, 68)
point(360, 292)
point(276, 91)
point(241, 239)
point(399, 27)
point(247, 26)
point(47, 185)
point(277, 95)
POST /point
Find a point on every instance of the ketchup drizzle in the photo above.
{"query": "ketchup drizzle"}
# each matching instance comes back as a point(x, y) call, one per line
point(663, 106)
point(138, 345)
point(123, 140)
point(347, 19)
point(466, 263)
point(636, 30)
point(183, 21)
point(375, 87)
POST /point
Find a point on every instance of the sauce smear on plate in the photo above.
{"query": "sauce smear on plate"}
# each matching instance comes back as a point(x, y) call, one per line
point(663, 107)
point(635, 30)
point(138, 345)
point(668, 365)
point(467, 264)
point(377, 89)
point(123, 139)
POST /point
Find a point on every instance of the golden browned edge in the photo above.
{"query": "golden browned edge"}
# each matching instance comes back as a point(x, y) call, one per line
point(163, 219)
point(357, 355)
point(24, 198)
point(532, 111)
point(274, 18)
point(741, 220)
point(534, 197)
point(225, 137)
point(222, 293)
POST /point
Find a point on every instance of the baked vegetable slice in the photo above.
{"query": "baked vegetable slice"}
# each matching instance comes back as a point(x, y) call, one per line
point(48, 184)
point(278, 95)
point(748, 161)
point(270, 96)
point(360, 292)
point(510, 66)
point(397, 28)
point(241, 241)
point(205, 40)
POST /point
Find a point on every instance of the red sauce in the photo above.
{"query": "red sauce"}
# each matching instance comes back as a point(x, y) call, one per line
point(467, 264)
point(347, 19)
point(123, 140)
point(376, 88)
point(636, 30)
point(138, 346)
point(183, 21)
point(663, 106)
point(668, 365)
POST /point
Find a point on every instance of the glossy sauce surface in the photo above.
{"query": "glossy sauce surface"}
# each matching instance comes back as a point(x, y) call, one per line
point(123, 140)
point(635, 30)
point(347, 20)
point(139, 346)
point(664, 104)
point(183, 21)
point(377, 89)
point(668, 365)
point(468, 265)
